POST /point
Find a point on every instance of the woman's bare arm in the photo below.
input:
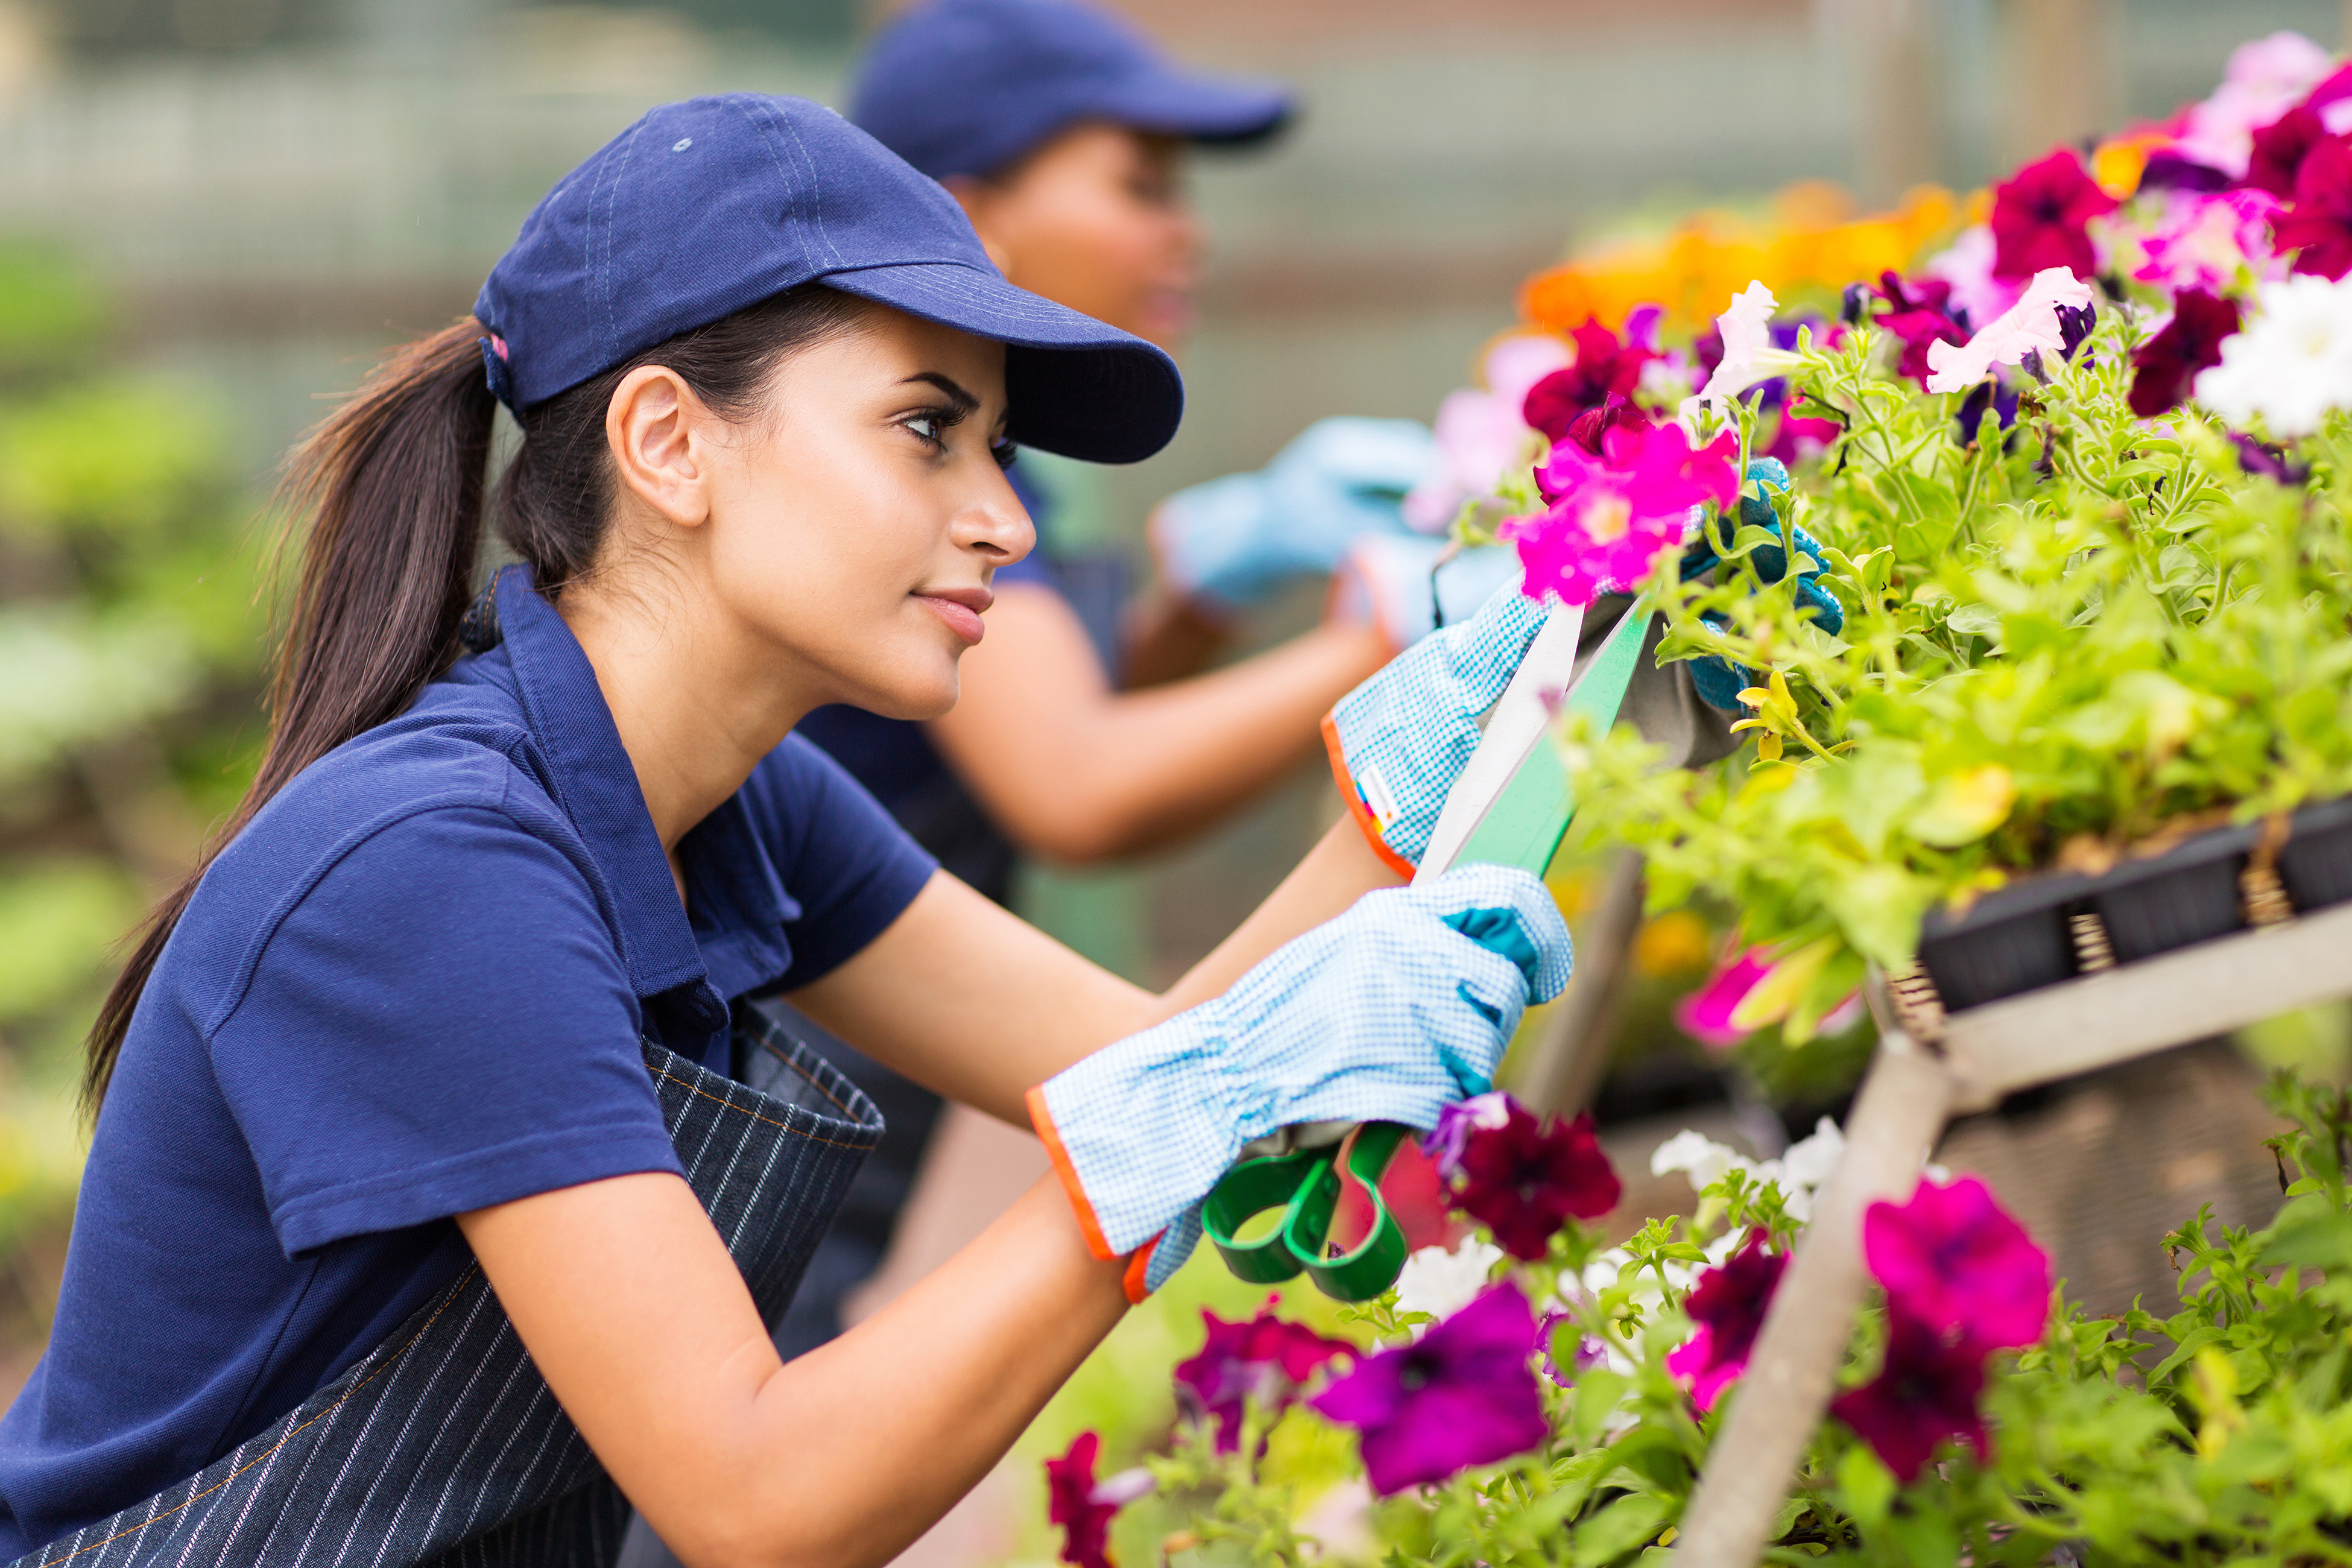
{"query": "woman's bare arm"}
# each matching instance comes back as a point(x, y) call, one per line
point(632, 1309)
point(1074, 771)
point(978, 1006)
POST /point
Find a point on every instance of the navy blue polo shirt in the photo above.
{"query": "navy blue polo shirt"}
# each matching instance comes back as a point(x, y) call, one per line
point(413, 986)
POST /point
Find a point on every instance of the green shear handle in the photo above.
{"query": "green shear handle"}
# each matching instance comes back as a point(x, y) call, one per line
point(1306, 1185)
point(1511, 806)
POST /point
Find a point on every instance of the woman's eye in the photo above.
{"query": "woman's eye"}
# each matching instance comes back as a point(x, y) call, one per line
point(1004, 452)
point(926, 426)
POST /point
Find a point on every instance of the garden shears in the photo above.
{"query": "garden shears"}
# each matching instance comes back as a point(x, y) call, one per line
point(1511, 806)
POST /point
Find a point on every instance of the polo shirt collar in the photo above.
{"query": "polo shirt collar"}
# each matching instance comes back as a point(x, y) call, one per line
point(596, 785)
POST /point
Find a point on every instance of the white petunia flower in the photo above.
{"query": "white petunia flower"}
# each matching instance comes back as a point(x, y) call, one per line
point(1696, 1155)
point(2292, 363)
point(1441, 1283)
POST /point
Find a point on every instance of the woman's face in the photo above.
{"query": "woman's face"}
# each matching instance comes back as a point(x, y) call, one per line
point(1097, 219)
point(856, 523)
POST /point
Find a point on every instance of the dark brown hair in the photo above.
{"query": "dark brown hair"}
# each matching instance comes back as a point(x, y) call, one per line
point(390, 487)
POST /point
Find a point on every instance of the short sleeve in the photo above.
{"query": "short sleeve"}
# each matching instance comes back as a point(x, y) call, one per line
point(439, 1024)
point(849, 867)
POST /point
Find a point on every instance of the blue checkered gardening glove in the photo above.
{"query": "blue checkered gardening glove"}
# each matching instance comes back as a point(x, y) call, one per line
point(1409, 585)
point(1718, 681)
point(1389, 1013)
point(1399, 741)
point(1230, 541)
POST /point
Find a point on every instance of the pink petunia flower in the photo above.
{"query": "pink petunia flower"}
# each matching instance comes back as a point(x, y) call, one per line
point(1727, 1303)
point(1749, 355)
point(1925, 1392)
point(1526, 1179)
point(1612, 515)
point(1084, 1507)
point(1262, 1358)
point(2030, 326)
point(1480, 434)
point(2262, 80)
point(1967, 266)
point(2201, 240)
point(1705, 1014)
point(1953, 1259)
point(1463, 1394)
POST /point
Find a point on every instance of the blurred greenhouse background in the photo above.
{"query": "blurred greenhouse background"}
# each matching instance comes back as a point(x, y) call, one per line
point(214, 212)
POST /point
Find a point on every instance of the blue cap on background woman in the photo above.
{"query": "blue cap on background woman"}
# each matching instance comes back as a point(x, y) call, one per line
point(444, 1181)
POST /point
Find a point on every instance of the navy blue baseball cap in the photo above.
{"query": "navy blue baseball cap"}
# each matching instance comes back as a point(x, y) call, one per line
point(965, 87)
point(702, 208)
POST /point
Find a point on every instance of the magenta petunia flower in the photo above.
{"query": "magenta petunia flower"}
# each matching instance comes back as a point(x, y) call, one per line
point(2167, 364)
point(2318, 225)
point(1463, 1394)
point(1917, 314)
point(2202, 239)
point(1592, 427)
point(2041, 217)
point(1727, 1303)
point(1526, 1178)
point(1705, 1014)
point(1083, 1506)
point(1261, 1358)
point(1926, 1391)
point(1953, 1259)
point(1603, 364)
point(1612, 515)
point(2280, 148)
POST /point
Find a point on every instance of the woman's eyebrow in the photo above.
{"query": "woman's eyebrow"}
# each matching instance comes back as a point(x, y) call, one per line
point(961, 401)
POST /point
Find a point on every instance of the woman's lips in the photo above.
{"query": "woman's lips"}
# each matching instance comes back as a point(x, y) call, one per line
point(961, 609)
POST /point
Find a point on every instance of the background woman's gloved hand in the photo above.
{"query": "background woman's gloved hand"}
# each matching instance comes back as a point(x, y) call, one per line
point(1409, 586)
point(1397, 1008)
point(1228, 543)
point(1399, 741)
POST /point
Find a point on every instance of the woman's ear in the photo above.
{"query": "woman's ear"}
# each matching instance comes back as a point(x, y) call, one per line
point(653, 427)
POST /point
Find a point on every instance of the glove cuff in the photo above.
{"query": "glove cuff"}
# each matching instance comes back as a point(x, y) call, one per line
point(1367, 799)
point(1041, 1117)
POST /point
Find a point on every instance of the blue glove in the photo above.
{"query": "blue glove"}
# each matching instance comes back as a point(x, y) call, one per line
point(1389, 1013)
point(1399, 741)
point(1230, 541)
point(1409, 586)
point(1718, 681)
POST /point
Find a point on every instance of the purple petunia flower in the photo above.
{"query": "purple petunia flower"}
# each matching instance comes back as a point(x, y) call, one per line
point(1444, 1143)
point(1262, 1358)
point(2271, 462)
point(1952, 1259)
point(1926, 1391)
point(2167, 364)
point(1463, 1394)
point(1524, 1179)
point(1083, 1506)
point(1728, 1305)
point(2040, 217)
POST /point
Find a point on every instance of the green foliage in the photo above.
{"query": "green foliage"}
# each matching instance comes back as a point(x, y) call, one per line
point(2217, 1432)
point(2058, 642)
point(130, 632)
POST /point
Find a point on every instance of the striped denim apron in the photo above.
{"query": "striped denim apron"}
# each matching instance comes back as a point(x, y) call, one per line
point(443, 1446)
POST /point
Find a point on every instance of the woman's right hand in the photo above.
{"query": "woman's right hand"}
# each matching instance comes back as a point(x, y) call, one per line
point(1388, 1012)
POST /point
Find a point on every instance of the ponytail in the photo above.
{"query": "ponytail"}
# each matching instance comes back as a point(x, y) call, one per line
point(392, 484)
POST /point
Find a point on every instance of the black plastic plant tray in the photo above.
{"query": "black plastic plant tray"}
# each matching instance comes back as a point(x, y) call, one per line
point(2316, 862)
point(2186, 895)
point(2013, 939)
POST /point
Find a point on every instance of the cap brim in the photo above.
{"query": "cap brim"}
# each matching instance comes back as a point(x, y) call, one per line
point(1073, 384)
point(1224, 110)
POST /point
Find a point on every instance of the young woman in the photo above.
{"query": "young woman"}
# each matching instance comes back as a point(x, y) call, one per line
point(422, 1223)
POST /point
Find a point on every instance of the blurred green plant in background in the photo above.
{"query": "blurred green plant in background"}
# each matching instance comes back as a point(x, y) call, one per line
point(131, 648)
